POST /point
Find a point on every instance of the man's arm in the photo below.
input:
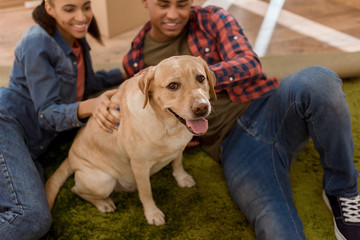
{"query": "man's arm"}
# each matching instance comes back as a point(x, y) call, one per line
point(238, 69)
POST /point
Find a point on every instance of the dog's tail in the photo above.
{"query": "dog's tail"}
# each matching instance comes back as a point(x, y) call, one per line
point(54, 183)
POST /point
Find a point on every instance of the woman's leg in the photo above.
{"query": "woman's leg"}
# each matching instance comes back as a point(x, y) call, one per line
point(24, 211)
point(258, 152)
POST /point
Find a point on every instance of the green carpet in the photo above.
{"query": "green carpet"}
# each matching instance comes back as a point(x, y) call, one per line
point(203, 212)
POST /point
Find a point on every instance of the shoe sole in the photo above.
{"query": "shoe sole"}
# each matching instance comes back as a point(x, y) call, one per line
point(338, 234)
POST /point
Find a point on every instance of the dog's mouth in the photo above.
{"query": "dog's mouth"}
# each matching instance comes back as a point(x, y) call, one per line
point(197, 127)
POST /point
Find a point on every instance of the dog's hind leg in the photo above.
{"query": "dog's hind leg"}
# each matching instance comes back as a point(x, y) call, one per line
point(182, 178)
point(95, 186)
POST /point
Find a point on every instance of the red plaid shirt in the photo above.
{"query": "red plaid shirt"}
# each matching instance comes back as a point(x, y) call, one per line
point(216, 36)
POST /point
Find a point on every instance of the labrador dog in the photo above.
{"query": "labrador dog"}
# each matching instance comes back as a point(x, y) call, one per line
point(161, 110)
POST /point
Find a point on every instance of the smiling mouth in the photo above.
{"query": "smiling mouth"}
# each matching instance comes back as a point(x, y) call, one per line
point(80, 27)
point(197, 127)
point(171, 24)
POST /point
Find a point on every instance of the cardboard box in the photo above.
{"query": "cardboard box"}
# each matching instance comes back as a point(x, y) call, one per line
point(116, 16)
point(351, 3)
point(11, 3)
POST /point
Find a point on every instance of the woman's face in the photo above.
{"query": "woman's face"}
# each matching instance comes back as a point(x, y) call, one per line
point(73, 17)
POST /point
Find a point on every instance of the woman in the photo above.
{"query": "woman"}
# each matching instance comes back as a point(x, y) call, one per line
point(52, 74)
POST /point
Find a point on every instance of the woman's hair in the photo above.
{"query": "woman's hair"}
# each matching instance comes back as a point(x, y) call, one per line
point(48, 23)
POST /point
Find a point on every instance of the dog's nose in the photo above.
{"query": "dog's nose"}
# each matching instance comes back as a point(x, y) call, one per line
point(200, 108)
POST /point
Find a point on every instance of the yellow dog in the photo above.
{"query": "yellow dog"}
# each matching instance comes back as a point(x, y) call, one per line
point(161, 110)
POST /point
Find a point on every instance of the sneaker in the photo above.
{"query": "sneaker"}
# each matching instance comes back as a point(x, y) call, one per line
point(346, 216)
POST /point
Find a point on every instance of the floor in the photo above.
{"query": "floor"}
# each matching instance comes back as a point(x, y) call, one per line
point(303, 26)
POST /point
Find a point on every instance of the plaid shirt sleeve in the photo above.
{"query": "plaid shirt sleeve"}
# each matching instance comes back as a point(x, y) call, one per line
point(215, 35)
point(133, 61)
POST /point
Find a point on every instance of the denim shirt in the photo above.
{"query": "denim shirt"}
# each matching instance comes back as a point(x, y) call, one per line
point(42, 88)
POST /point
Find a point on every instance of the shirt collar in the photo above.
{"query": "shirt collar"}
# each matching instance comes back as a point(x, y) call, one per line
point(62, 42)
point(64, 45)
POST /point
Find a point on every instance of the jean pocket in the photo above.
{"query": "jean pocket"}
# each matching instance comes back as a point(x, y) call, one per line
point(9, 204)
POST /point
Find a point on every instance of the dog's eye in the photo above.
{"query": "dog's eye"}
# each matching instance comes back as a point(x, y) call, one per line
point(173, 86)
point(200, 78)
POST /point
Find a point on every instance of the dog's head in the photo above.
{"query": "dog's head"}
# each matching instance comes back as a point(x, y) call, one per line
point(182, 86)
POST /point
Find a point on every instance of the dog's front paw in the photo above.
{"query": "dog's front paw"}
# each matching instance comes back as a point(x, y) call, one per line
point(105, 205)
point(155, 217)
point(186, 180)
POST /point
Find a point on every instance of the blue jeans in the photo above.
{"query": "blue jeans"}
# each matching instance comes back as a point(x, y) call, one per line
point(24, 211)
point(258, 152)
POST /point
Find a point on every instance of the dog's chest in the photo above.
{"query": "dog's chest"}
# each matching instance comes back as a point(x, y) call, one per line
point(165, 160)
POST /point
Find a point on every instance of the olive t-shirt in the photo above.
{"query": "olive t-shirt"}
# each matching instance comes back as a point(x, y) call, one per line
point(155, 51)
point(225, 112)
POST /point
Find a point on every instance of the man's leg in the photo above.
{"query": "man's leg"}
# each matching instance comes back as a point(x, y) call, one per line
point(260, 187)
point(261, 147)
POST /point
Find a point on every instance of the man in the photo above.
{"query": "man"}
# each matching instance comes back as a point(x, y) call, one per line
point(259, 125)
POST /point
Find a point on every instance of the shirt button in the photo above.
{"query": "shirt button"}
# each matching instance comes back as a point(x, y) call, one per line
point(136, 65)
point(207, 50)
point(231, 79)
point(75, 62)
point(41, 115)
point(236, 37)
point(41, 147)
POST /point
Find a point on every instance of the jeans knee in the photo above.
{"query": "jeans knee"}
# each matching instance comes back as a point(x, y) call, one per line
point(30, 224)
point(40, 221)
point(318, 77)
point(315, 85)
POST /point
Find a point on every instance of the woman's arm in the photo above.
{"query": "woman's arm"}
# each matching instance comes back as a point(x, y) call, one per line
point(52, 87)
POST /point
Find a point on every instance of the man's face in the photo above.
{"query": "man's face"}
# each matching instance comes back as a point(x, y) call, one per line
point(168, 17)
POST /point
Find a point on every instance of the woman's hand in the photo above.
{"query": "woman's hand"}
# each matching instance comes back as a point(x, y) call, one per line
point(102, 115)
point(99, 109)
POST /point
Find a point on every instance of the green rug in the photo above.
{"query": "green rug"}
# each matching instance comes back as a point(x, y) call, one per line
point(203, 212)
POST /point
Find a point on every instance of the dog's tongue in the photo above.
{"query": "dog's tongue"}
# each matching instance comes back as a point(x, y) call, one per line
point(198, 126)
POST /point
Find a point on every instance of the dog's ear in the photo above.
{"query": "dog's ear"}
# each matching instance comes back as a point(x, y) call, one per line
point(210, 77)
point(146, 77)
